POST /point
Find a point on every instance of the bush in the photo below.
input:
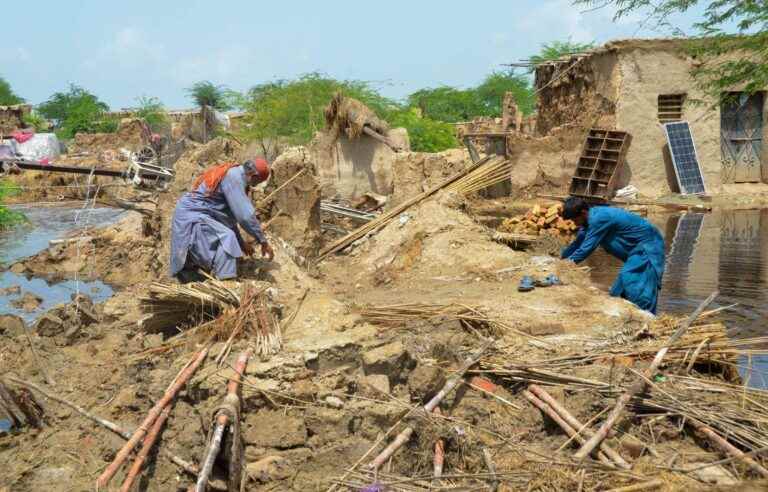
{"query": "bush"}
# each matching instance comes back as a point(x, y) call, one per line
point(8, 217)
point(153, 112)
point(36, 121)
point(77, 111)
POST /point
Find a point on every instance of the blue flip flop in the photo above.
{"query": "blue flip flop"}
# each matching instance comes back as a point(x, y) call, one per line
point(553, 279)
point(526, 284)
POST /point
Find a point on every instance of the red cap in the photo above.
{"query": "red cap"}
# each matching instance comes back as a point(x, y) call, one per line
point(259, 166)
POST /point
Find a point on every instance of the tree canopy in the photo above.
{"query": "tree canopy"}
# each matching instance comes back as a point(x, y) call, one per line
point(716, 74)
point(206, 93)
point(558, 49)
point(7, 96)
point(76, 110)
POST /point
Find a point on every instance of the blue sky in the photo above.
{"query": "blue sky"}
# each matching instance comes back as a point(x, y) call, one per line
point(122, 50)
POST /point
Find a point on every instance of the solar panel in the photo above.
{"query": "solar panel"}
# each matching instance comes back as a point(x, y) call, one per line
point(684, 158)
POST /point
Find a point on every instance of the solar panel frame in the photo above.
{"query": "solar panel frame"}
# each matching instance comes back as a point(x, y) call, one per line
point(680, 138)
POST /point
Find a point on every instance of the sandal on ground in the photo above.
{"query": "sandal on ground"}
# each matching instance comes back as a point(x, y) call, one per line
point(526, 284)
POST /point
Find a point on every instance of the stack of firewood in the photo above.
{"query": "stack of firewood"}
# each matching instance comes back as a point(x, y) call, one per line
point(539, 220)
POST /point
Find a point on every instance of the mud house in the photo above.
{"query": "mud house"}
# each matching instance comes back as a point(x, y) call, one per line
point(635, 86)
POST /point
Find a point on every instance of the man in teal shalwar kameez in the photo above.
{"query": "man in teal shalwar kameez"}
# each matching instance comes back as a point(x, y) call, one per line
point(628, 237)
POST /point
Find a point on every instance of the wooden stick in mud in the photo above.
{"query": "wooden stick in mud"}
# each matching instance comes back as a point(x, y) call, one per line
point(187, 466)
point(146, 447)
point(449, 385)
point(179, 382)
point(40, 366)
point(222, 421)
point(640, 385)
point(439, 459)
point(728, 448)
point(573, 422)
point(570, 431)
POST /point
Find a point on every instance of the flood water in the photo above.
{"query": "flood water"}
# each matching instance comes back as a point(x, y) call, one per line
point(724, 250)
point(45, 224)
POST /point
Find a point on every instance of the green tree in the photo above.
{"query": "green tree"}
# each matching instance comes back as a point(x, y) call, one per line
point(206, 93)
point(291, 111)
point(453, 105)
point(77, 111)
point(151, 109)
point(491, 92)
point(448, 103)
point(7, 96)
point(558, 49)
point(425, 134)
point(736, 59)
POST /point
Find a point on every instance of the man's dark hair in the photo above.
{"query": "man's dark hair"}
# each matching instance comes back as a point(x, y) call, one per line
point(573, 207)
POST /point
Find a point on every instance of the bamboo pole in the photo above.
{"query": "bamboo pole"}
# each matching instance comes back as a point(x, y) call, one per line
point(573, 422)
point(154, 412)
point(439, 459)
point(222, 421)
point(640, 385)
point(728, 448)
point(570, 431)
point(449, 385)
point(146, 447)
point(187, 466)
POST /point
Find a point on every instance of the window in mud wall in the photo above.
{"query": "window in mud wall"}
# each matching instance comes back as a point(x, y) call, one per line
point(671, 107)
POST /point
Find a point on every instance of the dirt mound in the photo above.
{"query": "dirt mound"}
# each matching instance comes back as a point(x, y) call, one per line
point(415, 172)
point(433, 240)
point(120, 254)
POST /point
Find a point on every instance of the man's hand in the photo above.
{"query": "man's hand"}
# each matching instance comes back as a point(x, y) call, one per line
point(266, 251)
point(247, 248)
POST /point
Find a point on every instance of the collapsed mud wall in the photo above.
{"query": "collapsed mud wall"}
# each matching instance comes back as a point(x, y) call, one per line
point(131, 134)
point(544, 164)
point(12, 118)
point(349, 168)
point(295, 210)
point(581, 90)
point(415, 172)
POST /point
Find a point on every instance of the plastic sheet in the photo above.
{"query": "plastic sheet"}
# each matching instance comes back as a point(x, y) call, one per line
point(39, 147)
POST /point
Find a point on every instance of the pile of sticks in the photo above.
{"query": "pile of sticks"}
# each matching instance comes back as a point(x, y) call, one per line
point(494, 172)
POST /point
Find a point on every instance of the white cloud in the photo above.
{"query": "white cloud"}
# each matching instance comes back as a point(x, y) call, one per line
point(15, 55)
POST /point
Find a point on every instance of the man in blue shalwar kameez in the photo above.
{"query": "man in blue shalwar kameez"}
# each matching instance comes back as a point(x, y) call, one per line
point(628, 237)
point(204, 231)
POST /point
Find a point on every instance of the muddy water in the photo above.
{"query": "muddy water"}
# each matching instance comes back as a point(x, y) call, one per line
point(725, 251)
point(29, 239)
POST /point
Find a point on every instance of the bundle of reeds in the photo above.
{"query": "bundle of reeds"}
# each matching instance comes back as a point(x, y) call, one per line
point(170, 305)
point(384, 219)
point(494, 172)
point(215, 311)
